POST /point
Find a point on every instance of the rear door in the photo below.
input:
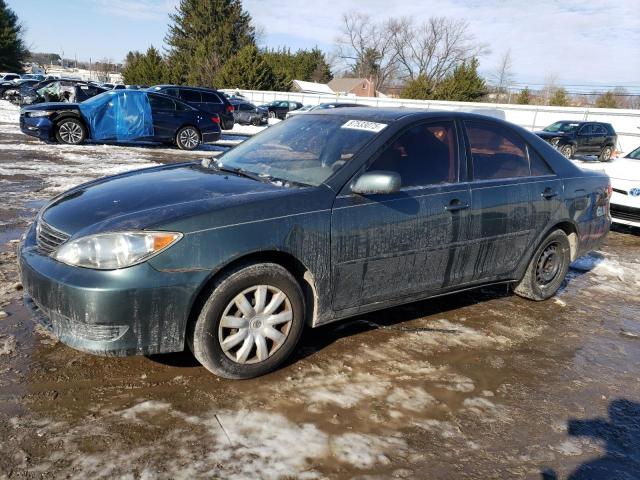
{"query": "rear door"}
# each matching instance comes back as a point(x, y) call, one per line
point(598, 137)
point(583, 138)
point(502, 203)
point(386, 247)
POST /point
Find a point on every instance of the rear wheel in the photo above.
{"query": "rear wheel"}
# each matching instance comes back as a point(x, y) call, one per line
point(71, 131)
point(251, 322)
point(567, 151)
point(188, 138)
point(605, 154)
point(547, 268)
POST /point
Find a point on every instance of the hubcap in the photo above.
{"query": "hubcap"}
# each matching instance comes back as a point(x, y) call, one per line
point(566, 151)
point(606, 154)
point(255, 324)
point(548, 264)
point(189, 138)
point(70, 132)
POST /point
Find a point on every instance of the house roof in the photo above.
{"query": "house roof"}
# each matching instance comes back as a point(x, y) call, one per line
point(345, 84)
point(312, 87)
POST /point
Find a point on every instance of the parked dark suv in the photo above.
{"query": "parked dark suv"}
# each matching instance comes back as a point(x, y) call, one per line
point(206, 99)
point(588, 138)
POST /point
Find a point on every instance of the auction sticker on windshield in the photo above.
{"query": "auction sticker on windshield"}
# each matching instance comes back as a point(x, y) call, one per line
point(363, 125)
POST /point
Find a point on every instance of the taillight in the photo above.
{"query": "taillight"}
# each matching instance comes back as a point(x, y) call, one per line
point(215, 119)
point(229, 108)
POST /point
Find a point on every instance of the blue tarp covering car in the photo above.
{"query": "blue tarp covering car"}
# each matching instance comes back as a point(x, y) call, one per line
point(118, 114)
point(122, 115)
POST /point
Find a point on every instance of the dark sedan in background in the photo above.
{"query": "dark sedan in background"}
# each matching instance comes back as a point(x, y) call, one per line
point(280, 108)
point(322, 217)
point(206, 99)
point(246, 113)
point(581, 138)
point(169, 120)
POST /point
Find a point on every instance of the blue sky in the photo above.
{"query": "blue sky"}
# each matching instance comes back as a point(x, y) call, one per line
point(589, 42)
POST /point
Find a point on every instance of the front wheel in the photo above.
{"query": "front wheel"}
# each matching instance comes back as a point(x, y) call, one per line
point(547, 268)
point(188, 138)
point(251, 322)
point(567, 151)
point(605, 154)
point(272, 114)
point(71, 131)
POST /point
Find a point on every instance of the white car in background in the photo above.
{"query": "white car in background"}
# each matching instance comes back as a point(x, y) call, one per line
point(624, 173)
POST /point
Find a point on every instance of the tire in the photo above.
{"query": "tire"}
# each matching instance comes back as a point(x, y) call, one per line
point(605, 154)
point(188, 138)
point(567, 151)
point(272, 114)
point(71, 131)
point(232, 348)
point(547, 268)
point(256, 122)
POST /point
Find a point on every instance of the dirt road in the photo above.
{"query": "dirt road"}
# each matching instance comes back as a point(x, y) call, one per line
point(475, 385)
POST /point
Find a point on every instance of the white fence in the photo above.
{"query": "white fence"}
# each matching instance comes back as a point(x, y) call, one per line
point(532, 117)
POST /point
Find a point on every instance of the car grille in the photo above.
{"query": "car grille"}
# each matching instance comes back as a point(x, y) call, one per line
point(625, 213)
point(49, 238)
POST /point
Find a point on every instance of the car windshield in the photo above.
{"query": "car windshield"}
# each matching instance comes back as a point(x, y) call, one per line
point(635, 154)
point(306, 149)
point(562, 127)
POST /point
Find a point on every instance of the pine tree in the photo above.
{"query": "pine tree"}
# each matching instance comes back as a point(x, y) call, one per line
point(559, 98)
point(12, 48)
point(524, 97)
point(462, 85)
point(247, 70)
point(419, 89)
point(204, 35)
point(145, 68)
point(607, 100)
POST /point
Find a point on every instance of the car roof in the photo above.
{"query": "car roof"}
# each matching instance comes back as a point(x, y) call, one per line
point(203, 89)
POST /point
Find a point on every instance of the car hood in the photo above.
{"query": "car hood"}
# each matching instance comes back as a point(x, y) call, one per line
point(150, 198)
point(53, 106)
point(548, 135)
point(624, 169)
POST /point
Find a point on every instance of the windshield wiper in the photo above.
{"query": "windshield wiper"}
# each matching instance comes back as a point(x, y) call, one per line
point(235, 171)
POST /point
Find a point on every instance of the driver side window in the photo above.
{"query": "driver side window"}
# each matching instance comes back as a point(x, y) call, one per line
point(425, 154)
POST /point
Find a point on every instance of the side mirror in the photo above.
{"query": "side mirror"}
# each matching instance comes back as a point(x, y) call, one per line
point(376, 182)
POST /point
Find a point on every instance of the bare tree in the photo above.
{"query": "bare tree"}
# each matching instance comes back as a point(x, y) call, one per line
point(434, 48)
point(550, 87)
point(502, 76)
point(367, 48)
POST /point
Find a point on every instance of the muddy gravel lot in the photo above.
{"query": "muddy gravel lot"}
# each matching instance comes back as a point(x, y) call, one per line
point(473, 385)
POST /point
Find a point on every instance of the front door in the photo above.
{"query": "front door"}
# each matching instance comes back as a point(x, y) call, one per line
point(389, 246)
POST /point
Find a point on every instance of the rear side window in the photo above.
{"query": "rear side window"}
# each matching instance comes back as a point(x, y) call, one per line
point(190, 96)
point(423, 155)
point(599, 130)
point(210, 98)
point(496, 152)
point(586, 130)
point(538, 166)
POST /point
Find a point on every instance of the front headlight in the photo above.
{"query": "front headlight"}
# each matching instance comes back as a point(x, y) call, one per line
point(39, 113)
point(110, 251)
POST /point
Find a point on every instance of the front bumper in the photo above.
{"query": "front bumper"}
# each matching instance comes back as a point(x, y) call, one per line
point(40, 127)
point(136, 310)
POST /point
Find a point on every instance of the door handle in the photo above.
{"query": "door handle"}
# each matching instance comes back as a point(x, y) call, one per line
point(548, 193)
point(455, 205)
